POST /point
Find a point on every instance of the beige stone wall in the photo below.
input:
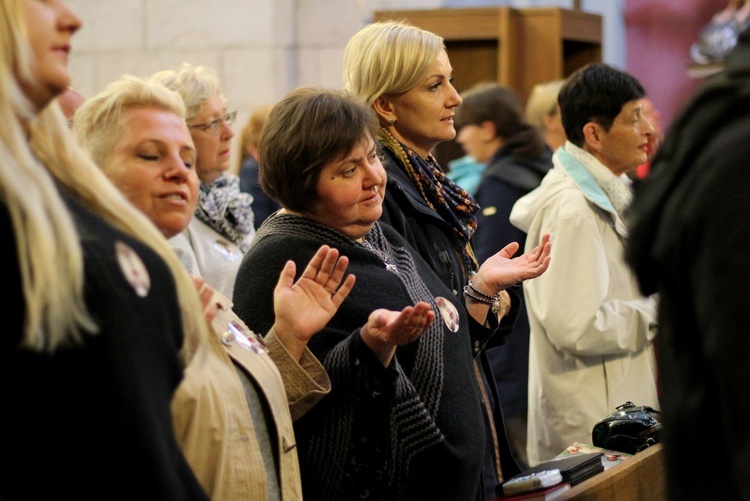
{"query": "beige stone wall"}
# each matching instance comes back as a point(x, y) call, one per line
point(261, 49)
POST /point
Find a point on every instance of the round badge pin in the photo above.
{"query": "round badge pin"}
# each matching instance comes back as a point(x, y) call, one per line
point(449, 313)
point(133, 269)
point(227, 251)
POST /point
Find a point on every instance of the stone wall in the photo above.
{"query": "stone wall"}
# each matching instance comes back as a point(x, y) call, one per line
point(261, 49)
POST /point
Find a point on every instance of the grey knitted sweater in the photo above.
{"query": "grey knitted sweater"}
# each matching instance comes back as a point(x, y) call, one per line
point(410, 431)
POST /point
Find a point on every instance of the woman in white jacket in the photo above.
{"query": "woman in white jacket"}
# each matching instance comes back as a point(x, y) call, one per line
point(592, 332)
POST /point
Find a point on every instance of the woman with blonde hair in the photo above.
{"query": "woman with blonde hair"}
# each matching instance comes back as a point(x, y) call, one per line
point(233, 411)
point(102, 317)
point(543, 112)
point(223, 228)
point(405, 74)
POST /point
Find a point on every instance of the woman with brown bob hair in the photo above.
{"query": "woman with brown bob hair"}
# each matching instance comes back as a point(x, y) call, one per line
point(403, 419)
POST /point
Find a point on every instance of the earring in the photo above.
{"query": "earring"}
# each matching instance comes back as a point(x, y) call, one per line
point(391, 122)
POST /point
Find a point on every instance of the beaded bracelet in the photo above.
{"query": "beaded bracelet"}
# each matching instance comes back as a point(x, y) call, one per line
point(477, 295)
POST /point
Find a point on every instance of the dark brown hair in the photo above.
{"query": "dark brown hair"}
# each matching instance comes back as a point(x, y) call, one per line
point(491, 102)
point(307, 129)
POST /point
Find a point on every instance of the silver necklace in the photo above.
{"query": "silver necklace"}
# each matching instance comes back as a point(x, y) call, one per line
point(382, 255)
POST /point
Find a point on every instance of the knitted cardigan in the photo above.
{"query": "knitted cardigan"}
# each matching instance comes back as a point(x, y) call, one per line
point(413, 430)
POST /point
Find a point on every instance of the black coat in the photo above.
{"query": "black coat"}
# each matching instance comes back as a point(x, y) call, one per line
point(431, 236)
point(688, 242)
point(93, 421)
point(262, 205)
point(506, 179)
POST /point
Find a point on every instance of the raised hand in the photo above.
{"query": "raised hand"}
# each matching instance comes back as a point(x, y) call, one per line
point(502, 270)
point(303, 308)
point(386, 329)
point(206, 292)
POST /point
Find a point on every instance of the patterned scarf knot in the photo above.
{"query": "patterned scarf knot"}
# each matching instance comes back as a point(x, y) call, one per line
point(226, 209)
point(454, 204)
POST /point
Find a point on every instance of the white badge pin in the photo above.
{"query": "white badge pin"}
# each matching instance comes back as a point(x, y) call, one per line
point(133, 269)
point(227, 251)
point(448, 312)
point(249, 341)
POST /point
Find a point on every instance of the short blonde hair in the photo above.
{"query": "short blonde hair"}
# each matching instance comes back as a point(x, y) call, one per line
point(389, 57)
point(196, 85)
point(98, 125)
point(542, 102)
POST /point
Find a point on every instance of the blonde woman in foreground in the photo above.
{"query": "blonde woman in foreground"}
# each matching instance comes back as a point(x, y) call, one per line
point(233, 411)
point(101, 315)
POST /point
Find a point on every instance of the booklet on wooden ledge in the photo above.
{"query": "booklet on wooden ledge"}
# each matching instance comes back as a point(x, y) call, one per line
point(544, 494)
point(609, 458)
point(532, 482)
point(572, 470)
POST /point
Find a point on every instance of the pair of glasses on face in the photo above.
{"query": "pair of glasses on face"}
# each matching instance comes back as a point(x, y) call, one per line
point(214, 126)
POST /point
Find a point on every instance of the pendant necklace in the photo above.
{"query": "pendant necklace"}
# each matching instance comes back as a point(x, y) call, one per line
point(382, 255)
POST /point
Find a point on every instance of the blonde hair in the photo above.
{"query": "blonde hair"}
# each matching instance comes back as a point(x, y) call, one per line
point(196, 85)
point(50, 257)
point(251, 132)
point(542, 102)
point(97, 124)
point(389, 57)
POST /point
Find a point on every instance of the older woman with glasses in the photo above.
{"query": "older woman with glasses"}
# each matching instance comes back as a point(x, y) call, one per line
point(213, 244)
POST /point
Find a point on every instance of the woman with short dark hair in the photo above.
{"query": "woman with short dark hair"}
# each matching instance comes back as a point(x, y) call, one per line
point(404, 417)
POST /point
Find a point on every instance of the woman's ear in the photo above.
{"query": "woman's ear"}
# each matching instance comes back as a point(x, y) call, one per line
point(552, 122)
point(592, 134)
point(488, 130)
point(384, 108)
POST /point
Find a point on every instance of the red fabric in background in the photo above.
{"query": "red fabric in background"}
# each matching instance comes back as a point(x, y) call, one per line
point(658, 38)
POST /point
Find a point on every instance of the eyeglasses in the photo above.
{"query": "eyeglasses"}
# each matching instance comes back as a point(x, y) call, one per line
point(214, 126)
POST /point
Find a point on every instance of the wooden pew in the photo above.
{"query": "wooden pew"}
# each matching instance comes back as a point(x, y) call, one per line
point(641, 477)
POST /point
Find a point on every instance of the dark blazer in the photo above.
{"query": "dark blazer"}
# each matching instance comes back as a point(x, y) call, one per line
point(431, 236)
point(262, 205)
point(506, 179)
point(93, 420)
